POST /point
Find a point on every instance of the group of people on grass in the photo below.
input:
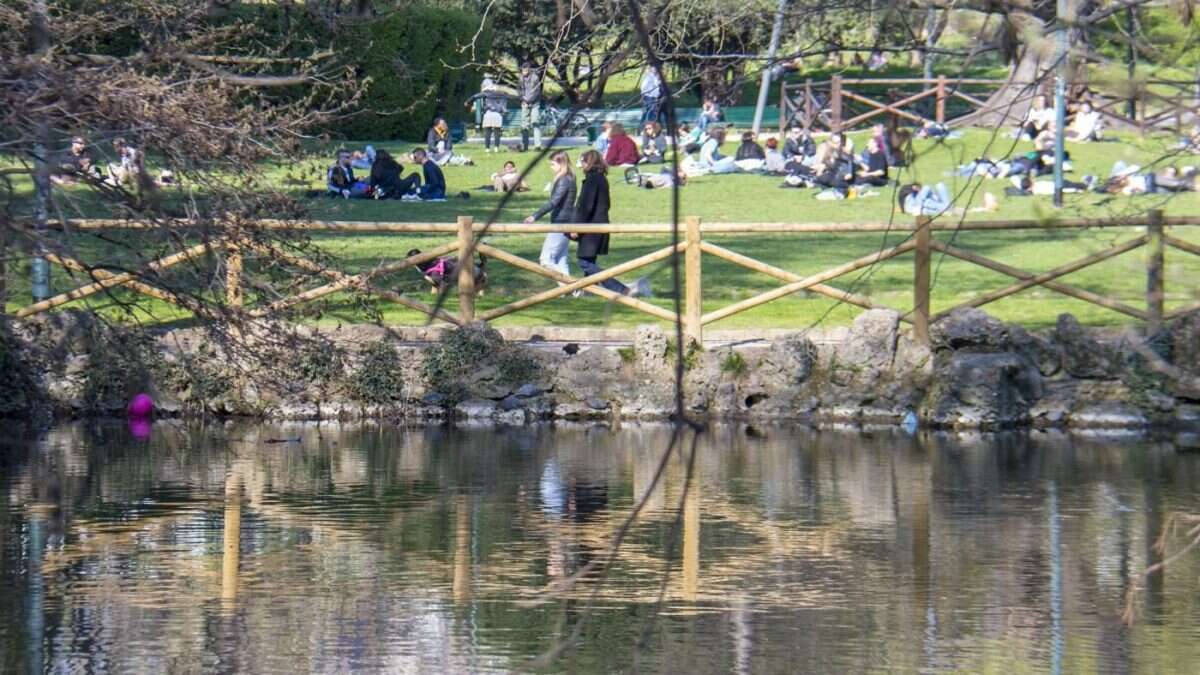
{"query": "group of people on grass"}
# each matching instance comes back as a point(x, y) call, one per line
point(77, 163)
point(385, 177)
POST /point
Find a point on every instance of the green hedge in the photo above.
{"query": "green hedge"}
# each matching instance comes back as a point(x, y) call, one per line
point(413, 56)
point(415, 60)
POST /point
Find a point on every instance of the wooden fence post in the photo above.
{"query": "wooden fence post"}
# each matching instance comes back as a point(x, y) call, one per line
point(941, 99)
point(1154, 273)
point(921, 282)
point(835, 101)
point(466, 269)
point(693, 298)
point(808, 104)
point(233, 275)
point(783, 104)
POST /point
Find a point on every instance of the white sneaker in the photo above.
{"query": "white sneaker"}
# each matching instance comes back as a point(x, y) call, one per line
point(641, 289)
point(410, 198)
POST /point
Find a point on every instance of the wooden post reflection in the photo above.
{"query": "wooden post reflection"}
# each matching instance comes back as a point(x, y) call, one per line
point(231, 556)
point(461, 586)
point(691, 540)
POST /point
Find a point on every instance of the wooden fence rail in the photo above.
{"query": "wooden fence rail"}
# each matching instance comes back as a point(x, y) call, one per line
point(690, 244)
point(844, 103)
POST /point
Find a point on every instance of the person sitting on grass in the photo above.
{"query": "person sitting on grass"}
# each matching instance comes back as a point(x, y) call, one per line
point(654, 144)
point(592, 208)
point(1085, 126)
point(750, 155)
point(340, 181)
point(923, 200)
point(799, 146)
point(873, 165)
point(508, 179)
point(128, 167)
point(434, 187)
point(834, 166)
point(1191, 142)
point(774, 158)
point(441, 147)
point(76, 162)
point(750, 149)
point(689, 139)
point(386, 182)
point(711, 160)
point(1037, 119)
point(887, 143)
point(602, 138)
point(622, 151)
point(710, 113)
point(363, 159)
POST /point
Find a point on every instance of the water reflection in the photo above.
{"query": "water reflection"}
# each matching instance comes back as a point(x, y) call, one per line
point(208, 549)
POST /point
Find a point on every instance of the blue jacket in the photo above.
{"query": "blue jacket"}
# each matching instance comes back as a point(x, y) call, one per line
point(435, 181)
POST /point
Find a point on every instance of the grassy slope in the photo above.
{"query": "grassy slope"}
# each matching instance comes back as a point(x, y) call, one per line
point(742, 198)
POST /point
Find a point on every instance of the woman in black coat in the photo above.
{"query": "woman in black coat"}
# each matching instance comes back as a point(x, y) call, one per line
point(592, 208)
point(385, 177)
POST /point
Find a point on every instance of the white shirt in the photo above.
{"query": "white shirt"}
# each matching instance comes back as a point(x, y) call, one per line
point(651, 85)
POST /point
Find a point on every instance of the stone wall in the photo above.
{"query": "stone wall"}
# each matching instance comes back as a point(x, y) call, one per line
point(979, 373)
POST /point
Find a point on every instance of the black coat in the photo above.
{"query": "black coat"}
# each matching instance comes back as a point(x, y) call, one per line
point(592, 207)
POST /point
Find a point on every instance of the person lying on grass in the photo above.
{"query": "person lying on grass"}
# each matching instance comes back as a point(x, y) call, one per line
point(666, 178)
point(508, 179)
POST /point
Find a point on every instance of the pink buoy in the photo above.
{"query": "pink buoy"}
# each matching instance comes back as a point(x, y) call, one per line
point(140, 407)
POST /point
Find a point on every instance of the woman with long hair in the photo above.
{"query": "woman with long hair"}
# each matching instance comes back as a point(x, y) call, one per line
point(592, 208)
point(385, 177)
point(561, 207)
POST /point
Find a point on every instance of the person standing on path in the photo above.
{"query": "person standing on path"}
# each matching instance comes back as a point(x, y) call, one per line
point(561, 207)
point(531, 105)
point(651, 96)
point(592, 208)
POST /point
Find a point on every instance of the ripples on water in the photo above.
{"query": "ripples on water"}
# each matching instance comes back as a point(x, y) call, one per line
point(367, 548)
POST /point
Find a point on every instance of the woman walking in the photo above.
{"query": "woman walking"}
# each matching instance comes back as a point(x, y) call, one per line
point(592, 208)
point(561, 207)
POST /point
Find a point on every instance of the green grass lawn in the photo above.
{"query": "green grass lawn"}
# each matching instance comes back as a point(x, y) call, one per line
point(744, 198)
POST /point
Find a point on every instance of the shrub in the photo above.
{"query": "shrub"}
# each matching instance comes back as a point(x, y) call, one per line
point(734, 364)
point(377, 378)
point(122, 362)
point(455, 366)
point(19, 386)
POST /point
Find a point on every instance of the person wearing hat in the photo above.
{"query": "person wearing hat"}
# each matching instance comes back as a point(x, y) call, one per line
point(531, 105)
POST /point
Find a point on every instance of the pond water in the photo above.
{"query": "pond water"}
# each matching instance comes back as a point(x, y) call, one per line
point(209, 549)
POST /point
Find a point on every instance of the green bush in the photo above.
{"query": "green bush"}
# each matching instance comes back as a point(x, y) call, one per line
point(415, 61)
point(413, 57)
point(377, 378)
point(454, 366)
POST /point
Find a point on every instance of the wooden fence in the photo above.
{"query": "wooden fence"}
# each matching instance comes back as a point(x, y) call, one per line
point(843, 103)
point(917, 238)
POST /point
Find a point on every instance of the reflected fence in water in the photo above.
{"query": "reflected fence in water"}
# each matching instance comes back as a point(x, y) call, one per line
point(939, 550)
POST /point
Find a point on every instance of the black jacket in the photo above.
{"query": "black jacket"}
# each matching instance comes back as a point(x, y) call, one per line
point(750, 150)
point(385, 174)
point(805, 147)
point(592, 207)
point(561, 206)
point(531, 87)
